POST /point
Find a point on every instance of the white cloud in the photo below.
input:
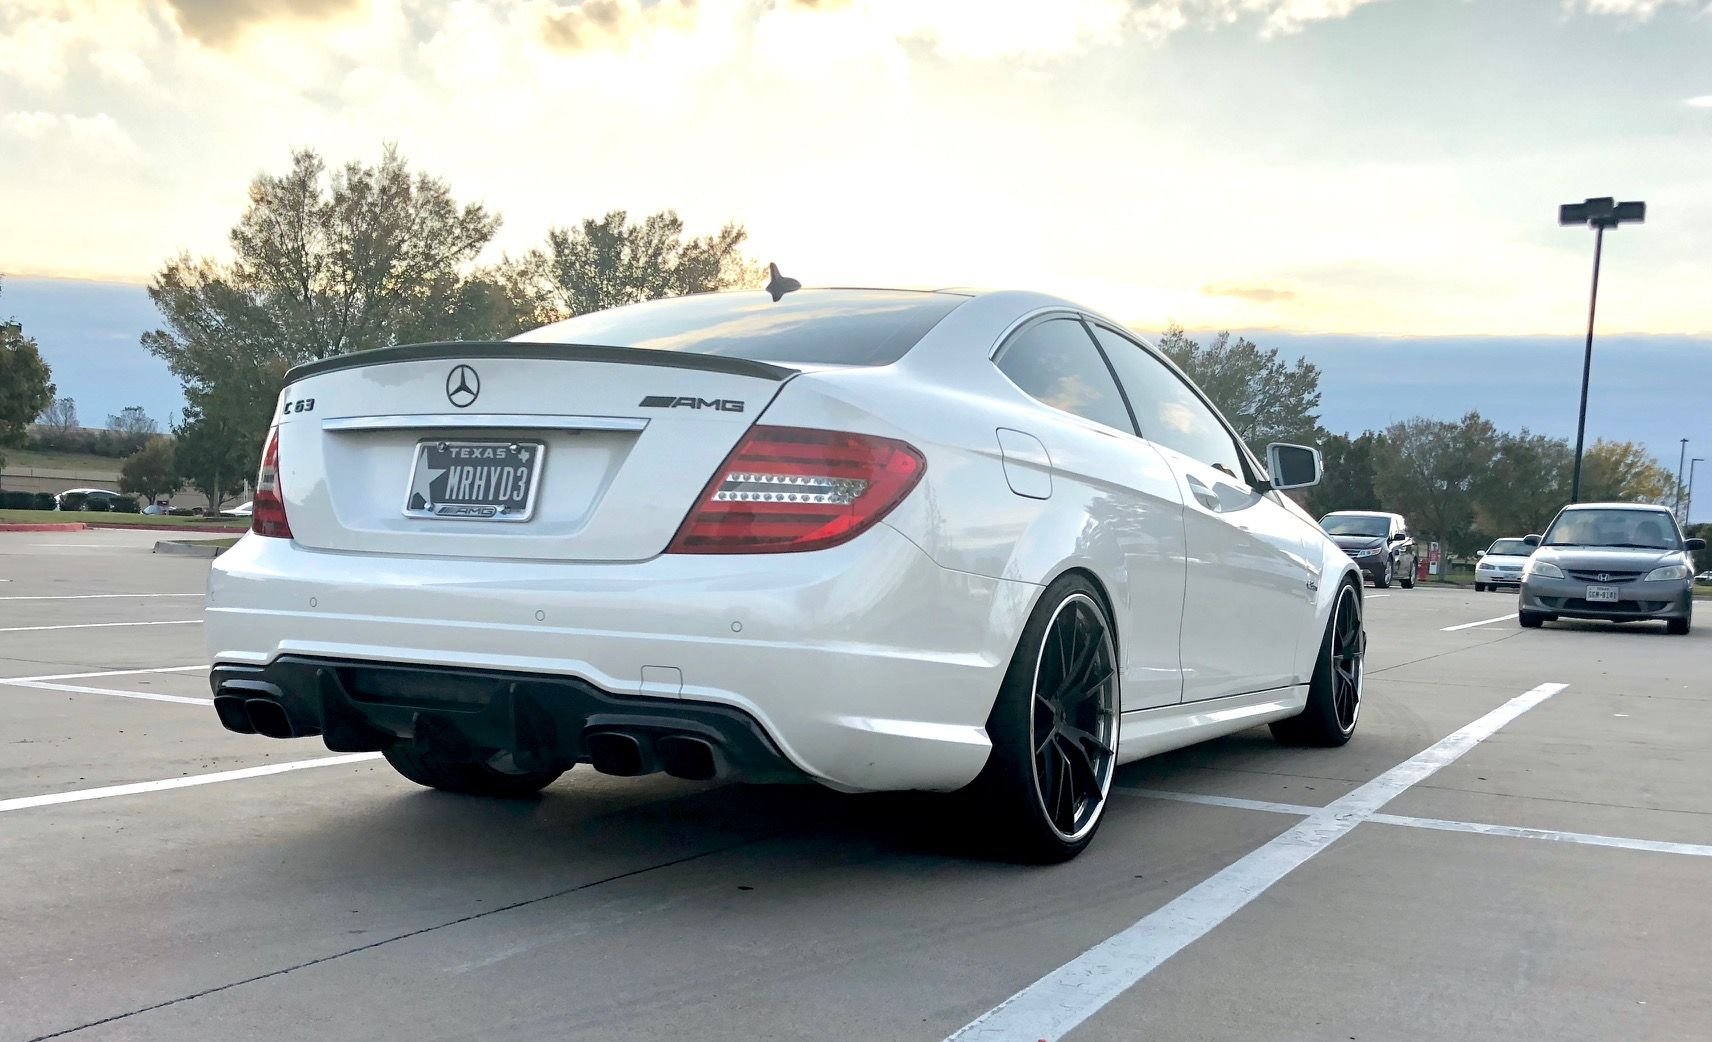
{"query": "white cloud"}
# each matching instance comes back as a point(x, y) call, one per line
point(1638, 9)
point(1704, 101)
point(93, 137)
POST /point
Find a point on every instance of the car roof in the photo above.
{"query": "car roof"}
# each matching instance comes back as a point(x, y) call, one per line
point(1362, 513)
point(1654, 507)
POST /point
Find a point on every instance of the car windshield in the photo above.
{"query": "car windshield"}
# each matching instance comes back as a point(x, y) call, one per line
point(809, 326)
point(1642, 529)
point(1354, 524)
point(1509, 548)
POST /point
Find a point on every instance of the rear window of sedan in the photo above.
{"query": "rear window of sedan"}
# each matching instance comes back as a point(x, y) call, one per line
point(1510, 548)
point(808, 327)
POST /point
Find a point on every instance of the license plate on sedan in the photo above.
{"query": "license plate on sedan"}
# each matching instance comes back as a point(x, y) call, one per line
point(1602, 595)
point(474, 480)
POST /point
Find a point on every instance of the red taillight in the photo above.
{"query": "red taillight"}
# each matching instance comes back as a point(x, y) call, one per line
point(267, 510)
point(784, 489)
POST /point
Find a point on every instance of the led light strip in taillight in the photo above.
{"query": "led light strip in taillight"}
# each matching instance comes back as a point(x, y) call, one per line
point(788, 488)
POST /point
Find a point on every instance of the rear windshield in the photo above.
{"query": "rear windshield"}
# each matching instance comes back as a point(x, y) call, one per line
point(1354, 524)
point(1510, 548)
point(808, 327)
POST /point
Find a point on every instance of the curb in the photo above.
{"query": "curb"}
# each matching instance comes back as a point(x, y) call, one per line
point(216, 529)
point(66, 527)
point(180, 548)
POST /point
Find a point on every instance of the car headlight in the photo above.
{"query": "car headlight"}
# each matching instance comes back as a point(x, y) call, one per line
point(1669, 571)
point(1544, 570)
point(1364, 553)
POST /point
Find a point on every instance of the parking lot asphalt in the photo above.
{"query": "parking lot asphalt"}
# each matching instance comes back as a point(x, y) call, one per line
point(1517, 844)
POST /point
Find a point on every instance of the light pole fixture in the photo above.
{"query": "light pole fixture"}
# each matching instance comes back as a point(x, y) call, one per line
point(1680, 456)
point(1598, 214)
point(1688, 506)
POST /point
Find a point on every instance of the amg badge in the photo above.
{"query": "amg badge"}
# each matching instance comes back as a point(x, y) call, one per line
point(667, 401)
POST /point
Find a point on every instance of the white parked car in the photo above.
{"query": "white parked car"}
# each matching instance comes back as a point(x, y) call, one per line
point(876, 539)
point(1501, 564)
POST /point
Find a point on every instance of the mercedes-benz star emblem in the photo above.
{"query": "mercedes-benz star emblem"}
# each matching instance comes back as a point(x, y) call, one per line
point(462, 386)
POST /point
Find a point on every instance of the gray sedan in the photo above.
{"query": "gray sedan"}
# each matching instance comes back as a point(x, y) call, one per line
point(1618, 562)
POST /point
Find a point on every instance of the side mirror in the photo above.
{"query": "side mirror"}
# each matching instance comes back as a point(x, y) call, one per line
point(1480, 553)
point(1293, 466)
point(1531, 540)
point(1399, 537)
point(1694, 544)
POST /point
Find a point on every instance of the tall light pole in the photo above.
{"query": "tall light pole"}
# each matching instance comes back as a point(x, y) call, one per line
point(1598, 214)
point(1680, 456)
point(1688, 512)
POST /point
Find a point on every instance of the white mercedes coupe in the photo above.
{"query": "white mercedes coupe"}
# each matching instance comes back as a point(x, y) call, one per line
point(874, 539)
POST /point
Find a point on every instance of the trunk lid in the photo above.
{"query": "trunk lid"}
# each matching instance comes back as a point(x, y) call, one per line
point(594, 454)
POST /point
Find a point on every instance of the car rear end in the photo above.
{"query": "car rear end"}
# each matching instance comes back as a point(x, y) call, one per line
point(536, 547)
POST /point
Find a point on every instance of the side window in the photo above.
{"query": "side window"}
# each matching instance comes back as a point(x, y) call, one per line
point(1055, 362)
point(1167, 411)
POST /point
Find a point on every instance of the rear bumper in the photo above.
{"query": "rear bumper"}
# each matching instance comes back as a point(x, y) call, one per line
point(1638, 601)
point(866, 666)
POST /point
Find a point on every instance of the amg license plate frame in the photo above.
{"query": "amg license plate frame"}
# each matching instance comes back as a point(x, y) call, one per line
point(475, 479)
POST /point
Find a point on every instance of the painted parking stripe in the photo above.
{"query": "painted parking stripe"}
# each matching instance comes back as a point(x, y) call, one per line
point(1055, 1004)
point(107, 791)
point(147, 696)
point(1471, 625)
point(94, 596)
point(105, 673)
point(1440, 824)
point(1585, 838)
point(98, 625)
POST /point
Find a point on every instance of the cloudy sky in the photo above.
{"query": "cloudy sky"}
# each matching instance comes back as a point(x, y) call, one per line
point(1355, 166)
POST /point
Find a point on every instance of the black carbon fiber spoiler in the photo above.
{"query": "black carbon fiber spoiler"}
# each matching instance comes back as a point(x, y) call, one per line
point(469, 349)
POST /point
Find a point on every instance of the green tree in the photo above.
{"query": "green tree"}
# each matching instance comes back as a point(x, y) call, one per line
point(612, 261)
point(151, 471)
point(216, 452)
point(323, 263)
point(1264, 398)
point(134, 421)
point(1624, 471)
point(1428, 470)
point(1525, 486)
point(26, 384)
point(1348, 481)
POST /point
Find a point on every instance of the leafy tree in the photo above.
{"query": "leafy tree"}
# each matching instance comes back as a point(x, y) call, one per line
point(1702, 558)
point(1348, 481)
point(26, 384)
point(1429, 471)
point(61, 416)
point(132, 420)
point(612, 261)
point(151, 471)
point(1624, 471)
point(1526, 484)
point(216, 452)
point(1264, 398)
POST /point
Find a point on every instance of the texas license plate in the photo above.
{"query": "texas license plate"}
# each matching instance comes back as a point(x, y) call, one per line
point(1602, 594)
point(475, 480)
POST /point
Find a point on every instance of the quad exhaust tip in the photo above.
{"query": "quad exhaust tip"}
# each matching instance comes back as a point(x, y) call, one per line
point(627, 755)
point(682, 756)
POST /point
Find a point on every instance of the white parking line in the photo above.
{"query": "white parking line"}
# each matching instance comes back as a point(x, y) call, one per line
point(80, 795)
point(1585, 838)
point(98, 625)
point(147, 696)
point(1054, 1005)
point(1471, 625)
point(103, 673)
point(1234, 802)
point(95, 596)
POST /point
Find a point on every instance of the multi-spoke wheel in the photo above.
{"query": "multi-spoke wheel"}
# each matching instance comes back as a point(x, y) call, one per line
point(1334, 692)
point(1054, 728)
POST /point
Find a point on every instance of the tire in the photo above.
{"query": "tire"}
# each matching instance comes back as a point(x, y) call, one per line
point(1334, 691)
point(1530, 620)
point(1041, 800)
point(1382, 581)
point(1677, 627)
point(1479, 587)
point(470, 779)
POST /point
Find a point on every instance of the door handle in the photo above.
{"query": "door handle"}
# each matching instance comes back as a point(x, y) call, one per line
point(1206, 496)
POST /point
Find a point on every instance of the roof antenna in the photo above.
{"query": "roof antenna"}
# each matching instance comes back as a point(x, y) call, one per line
point(778, 285)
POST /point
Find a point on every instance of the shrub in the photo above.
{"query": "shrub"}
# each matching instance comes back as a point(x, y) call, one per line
point(44, 501)
point(96, 503)
point(17, 501)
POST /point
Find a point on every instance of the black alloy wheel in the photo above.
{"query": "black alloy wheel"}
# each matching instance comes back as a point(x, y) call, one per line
point(1054, 728)
point(1334, 692)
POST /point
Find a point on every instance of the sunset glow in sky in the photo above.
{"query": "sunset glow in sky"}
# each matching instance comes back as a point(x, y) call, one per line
point(1373, 166)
